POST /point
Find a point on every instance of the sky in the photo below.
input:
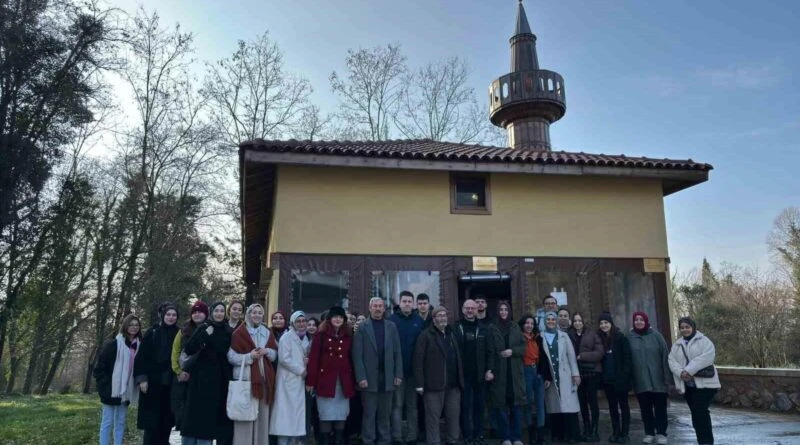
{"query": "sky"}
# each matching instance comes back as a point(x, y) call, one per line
point(714, 80)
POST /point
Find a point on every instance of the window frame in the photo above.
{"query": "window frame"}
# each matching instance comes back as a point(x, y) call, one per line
point(461, 210)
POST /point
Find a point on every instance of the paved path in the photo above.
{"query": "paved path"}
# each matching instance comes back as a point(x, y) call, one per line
point(731, 427)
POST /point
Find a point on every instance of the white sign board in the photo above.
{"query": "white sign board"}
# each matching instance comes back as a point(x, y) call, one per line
point(560, 296)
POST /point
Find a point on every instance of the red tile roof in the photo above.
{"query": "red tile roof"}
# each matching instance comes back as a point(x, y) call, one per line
point(426, 149)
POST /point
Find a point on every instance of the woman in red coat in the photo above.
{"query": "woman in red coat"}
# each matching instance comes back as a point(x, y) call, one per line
point(330, 374)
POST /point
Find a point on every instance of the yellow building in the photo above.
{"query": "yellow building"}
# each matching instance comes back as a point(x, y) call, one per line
point(327, 223)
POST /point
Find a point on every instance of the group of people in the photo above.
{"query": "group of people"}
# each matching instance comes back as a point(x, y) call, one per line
point(414, 365)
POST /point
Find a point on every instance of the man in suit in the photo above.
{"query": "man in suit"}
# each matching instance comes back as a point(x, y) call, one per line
point(378, 365)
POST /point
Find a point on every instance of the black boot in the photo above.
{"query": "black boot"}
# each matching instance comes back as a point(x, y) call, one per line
point(623, 434)
point(540, 433)
point(338, 437)
point(593, 434)
point(586, 433)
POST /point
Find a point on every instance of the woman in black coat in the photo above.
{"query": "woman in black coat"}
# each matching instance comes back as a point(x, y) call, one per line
point(153, 372)
point(205, 418)
point(115, 382)
point(617, 374)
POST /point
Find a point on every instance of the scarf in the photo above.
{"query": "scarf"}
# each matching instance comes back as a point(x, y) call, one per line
point(122, 385)
point(263, 388)
point(646, 323)
point(691, 323)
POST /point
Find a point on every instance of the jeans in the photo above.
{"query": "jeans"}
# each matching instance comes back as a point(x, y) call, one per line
point(193, 441)
point(699, 400)
point(473, 403)
point(618, 404)
point(509, 430)
point(534, 384)
point(405, 400)
point(654, 412)
point(113, 418)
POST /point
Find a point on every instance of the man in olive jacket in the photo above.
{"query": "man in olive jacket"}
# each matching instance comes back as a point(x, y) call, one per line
point(439, 378)
point(378, 365)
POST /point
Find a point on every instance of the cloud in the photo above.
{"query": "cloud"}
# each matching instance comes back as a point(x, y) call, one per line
point(741, 77)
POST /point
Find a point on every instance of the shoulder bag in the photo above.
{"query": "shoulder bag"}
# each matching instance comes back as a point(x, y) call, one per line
point(241, 406)
point(708, 371)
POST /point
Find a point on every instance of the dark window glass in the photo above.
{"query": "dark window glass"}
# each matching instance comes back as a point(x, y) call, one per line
point(470, 192)
point(316, 292)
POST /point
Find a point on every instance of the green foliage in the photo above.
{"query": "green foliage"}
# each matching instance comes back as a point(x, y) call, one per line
point(68, 419)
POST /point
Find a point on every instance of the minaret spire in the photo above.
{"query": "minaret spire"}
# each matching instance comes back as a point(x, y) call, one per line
point(528, 99)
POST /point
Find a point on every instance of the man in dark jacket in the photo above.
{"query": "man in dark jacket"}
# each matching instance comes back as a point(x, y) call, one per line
point(439, 378)
point(472, 336)
point(409, 326)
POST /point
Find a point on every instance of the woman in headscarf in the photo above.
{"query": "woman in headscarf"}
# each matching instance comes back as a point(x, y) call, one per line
point(288, 418)
point(114, 375)
point(235, 314)
point(617, 369)
point(561, 398)
point(205, 418)
point(254, 344)
point(651, 377)
point(182, 363)
point(330, 374)
point(278, 324)
point(506, 392)
point(589, 353)
point(153, 373)
point(690, 353)
point(537, 377)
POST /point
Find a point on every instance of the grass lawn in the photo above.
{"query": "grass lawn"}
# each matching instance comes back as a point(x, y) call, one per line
point(71, 419)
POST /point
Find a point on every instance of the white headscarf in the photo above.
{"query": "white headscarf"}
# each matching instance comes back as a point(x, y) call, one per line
point(259, 333)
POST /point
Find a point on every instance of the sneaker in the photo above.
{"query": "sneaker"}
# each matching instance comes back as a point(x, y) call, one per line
point(648, 439)
point(506, 442)
point(661, 439)
point(518, 442)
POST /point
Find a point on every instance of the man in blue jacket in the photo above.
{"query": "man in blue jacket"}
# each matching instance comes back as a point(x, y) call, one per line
point(409, 325)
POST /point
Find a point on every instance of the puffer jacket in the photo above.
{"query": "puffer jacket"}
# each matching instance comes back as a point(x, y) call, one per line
point(701, 352)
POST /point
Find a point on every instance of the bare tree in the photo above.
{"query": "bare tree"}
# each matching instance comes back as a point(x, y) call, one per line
point(784, 244)
point(314, 125)
point(437, 103)
point(370, 92)
point(252, 96)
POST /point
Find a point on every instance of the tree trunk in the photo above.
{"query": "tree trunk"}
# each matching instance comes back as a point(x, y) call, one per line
point(59, 355)
point(36, 353)
point(87, 378)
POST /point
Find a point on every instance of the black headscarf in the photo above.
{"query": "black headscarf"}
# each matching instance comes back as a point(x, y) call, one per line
point(166, 333)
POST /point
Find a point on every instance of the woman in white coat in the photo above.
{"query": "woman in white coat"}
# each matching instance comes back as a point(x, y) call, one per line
point(691, 353)
point(561, 398)
point(288, 418)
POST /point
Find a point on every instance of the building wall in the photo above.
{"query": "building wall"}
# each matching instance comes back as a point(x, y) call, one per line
point(403, 212)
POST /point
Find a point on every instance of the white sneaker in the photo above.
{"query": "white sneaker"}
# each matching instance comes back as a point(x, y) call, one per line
point(661, 439)
point(506, 442)
point(648, 439)
point(517, 442)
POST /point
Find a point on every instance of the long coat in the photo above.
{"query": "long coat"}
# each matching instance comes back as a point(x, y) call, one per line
point(496, 391)
point(701, 353)
point(650, 367)
point(329, 360)
point(365, 356)
point(152, 365)
point(564, 398)
point(103, 371)
point(204, 415)
point(430, 359)
point(622, 367)
point(288, 414)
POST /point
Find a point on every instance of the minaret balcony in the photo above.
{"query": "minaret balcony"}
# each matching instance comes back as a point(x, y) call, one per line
point(527, 93)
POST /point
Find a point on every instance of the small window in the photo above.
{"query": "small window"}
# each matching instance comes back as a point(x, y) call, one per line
point(469, 194)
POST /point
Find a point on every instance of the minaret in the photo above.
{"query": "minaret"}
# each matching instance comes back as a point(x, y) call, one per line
point(528, 99)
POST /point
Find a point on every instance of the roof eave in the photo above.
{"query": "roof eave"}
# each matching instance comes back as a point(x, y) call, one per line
point(673, 180)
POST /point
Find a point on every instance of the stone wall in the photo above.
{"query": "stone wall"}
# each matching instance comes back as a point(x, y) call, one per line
point(754, 388)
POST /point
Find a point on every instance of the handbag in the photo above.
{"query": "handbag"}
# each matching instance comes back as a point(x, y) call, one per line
point(241, 406)
point(708, 371)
